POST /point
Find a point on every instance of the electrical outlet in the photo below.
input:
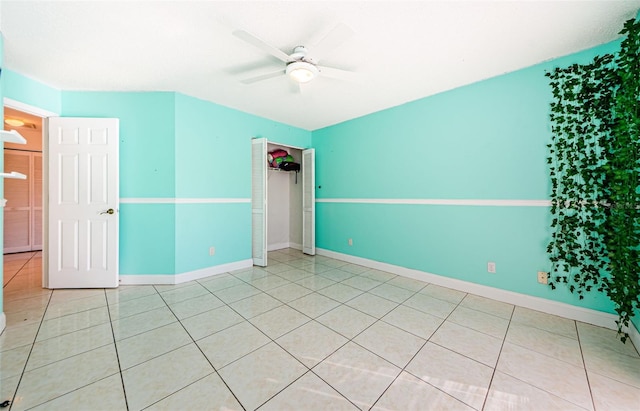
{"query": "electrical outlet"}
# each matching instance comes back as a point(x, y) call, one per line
point(212, 251)
point(543, 277)
point(351, 241)
point(491, 267)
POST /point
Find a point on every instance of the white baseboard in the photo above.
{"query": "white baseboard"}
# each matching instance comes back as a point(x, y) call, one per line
point(276, 247)
point(3, 322)
point(164, 279)
point(569, 311)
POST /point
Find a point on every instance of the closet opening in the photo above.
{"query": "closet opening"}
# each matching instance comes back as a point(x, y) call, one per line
point(282, 199)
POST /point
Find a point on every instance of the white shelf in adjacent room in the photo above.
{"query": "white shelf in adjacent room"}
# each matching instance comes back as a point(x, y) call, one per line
point(12, 136)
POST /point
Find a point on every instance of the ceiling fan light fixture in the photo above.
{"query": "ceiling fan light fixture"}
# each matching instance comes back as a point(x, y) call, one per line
point(13, 122)
point(301, 71)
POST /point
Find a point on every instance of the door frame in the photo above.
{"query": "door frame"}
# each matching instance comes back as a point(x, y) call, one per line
point(45, 114)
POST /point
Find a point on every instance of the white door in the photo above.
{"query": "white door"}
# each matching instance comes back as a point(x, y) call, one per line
point(259, 201)
point(308, 202)
point(83, 203)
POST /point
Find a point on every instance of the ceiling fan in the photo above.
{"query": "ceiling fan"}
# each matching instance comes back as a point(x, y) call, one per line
point(301, 65)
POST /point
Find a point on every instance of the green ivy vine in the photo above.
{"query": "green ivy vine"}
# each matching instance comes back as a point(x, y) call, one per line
point(594, 164)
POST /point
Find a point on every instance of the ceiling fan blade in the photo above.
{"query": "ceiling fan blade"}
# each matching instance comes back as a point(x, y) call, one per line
point(256, 42)
point(335, 37)
point(261, 77)
point(339, 74)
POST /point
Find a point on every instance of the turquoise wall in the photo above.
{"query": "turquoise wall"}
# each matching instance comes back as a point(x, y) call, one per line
point(483, 141)
point(31, 92)
point(213, 161)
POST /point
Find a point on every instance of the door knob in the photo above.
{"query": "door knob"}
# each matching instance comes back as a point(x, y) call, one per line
point(109, 211)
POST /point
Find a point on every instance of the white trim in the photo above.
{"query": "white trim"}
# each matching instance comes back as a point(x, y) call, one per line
point(436, 201)
point(569, 311)
point(161, 279)
point(3, 322)
point(171, 200)
point(276, 247)
point(27, 108)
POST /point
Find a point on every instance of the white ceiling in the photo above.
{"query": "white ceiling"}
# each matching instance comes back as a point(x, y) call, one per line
point(401, 50)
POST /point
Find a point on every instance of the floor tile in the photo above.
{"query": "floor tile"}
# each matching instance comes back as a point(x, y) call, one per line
point(372, 304)
point(128, 292)
point(66, 296)
point(354, 268)
point(357, 374)
point(105, 394)
point(430, 305)
point(346, 321)
point(377, 275)
point(230, 344)
point(340, 292)
point(407, 283)
point(136, 306)
point(73, 322)
point(45, 383)
point(240, 276)
point(544, 321)
point(184, 293)
point(279, 321)
point(12, 362)
point(207, 393)
point(488, 306)
point(612, 364)
point(392, 292)
point(361, 283)
point(609, 394)
point(25, 316)
point(220, 282)
point(315, 282)
point(257, 377)
point(295, 275)
point(236, 293)
point(74, 305)
point(443, 293)
point(162, 376)
point(337, 275)
point(391, 343)
point(210, 322)
point(309, 392)
point(459, 376)
point(18, 335)
point(569, 382)
point(143, 322)
point(193, 306)
point(151, 344)
point(547, 343)
point(8, 387)
point(316, 268)
point(594, 337)
point(410, 393)
point(289, 292)
point(255, 305)
point(67, 345)
point(277, 268)
point(413, 321)
point(311, 343)
point(470, 343)
point(508, 393)
point(269, 282)
point(479, 321)
point(314, 305)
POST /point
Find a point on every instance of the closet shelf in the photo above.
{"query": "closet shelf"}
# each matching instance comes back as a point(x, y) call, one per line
point(12, 136)
point(14, 174)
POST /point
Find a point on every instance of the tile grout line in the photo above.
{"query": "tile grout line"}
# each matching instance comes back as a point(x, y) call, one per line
point(495, 368)
point(194, 342)
point(427, 340)
point(115, 347)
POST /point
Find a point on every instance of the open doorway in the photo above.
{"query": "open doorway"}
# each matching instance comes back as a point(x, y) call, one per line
point(23, 211)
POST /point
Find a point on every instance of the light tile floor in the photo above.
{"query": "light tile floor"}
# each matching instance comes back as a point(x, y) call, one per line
point(306, 333)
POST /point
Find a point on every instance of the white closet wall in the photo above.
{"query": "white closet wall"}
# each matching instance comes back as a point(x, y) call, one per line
point(284, 196)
